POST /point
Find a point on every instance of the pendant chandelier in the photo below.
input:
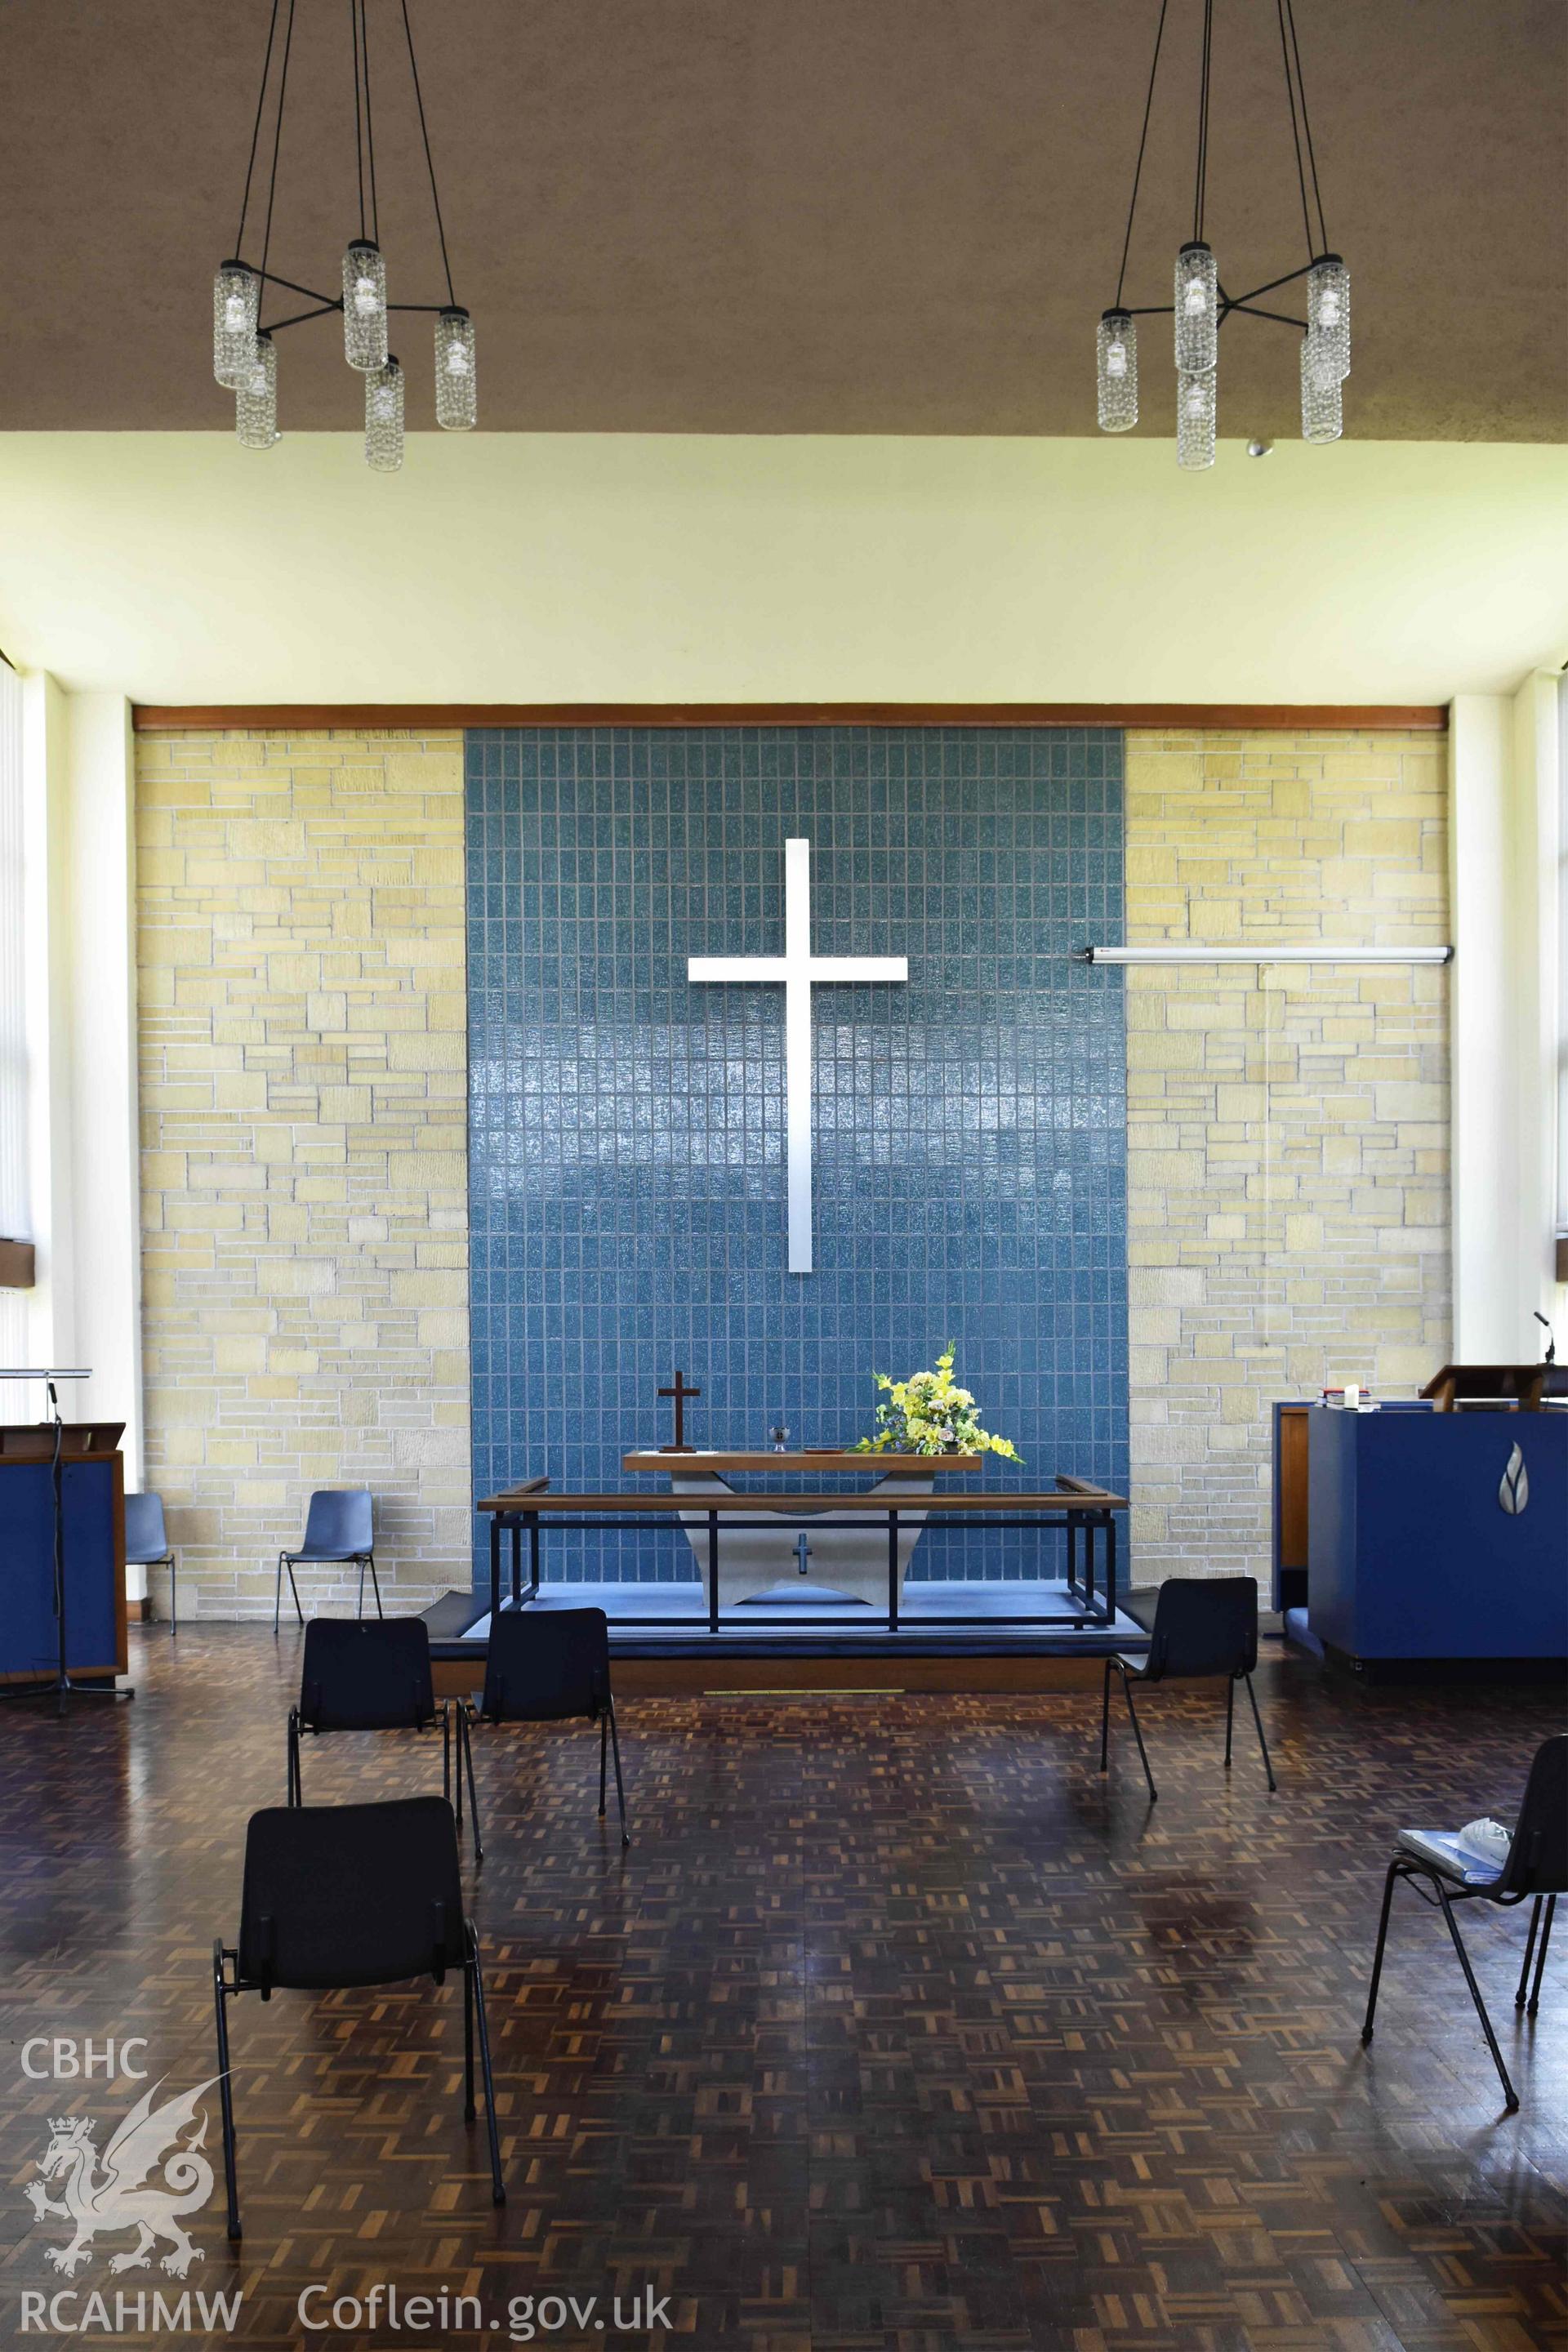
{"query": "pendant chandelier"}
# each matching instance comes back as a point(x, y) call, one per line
point(1200, 304)
point(245, 354)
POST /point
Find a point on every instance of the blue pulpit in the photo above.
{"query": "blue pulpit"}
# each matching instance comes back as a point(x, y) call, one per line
point(92, 1498)
point(1438, 1536)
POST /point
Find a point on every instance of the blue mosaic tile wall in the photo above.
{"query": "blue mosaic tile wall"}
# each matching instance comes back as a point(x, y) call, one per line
point(627, 1128)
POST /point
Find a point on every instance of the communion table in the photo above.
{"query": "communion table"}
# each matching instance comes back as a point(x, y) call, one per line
point(775, 1557)
point(838, 1557)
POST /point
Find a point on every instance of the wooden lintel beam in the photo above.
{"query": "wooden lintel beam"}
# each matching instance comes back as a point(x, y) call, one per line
point(425, 717)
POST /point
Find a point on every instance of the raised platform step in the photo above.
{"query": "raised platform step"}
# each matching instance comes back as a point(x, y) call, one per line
point(951, 1636)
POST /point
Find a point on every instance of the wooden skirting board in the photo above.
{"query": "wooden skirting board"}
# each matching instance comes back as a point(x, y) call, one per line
point(814, 1677)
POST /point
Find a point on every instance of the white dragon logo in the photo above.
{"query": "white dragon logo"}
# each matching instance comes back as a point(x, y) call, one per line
point(116, 2192)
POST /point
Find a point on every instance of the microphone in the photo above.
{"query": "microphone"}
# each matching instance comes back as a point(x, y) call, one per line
point(1551, 1355)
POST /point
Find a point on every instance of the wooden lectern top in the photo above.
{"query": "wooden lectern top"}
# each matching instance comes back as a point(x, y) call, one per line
point(1522, 1385)
point(34, 1441)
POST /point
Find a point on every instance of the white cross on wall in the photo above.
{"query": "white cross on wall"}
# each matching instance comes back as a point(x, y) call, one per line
point(797, 969)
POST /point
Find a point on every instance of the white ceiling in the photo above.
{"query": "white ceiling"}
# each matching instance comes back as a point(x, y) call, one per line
point(516, 568)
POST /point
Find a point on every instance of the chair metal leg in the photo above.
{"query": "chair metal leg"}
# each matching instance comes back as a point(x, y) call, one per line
point(1143, 1751)
point(1392, 1873)
point(1105, 1715)
point(498, 2187)
point(225, 2093)
point(447, 1762)
point(173, 1595)
point(1257, 1719)
point(278, 1593)
point(296, 1795)
point(469, 2110)
point(294, 1588)
point(1541, 1956)
point(1511, 2096)
point(359, 1603)
point(374, 1584)
point(1229, 1716)
point(1528, 1950)
point(620, 1785)
point(466, 1756)
point(603, 1759)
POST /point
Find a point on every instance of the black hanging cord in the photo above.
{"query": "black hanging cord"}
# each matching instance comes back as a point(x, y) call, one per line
point(1295, 125)
point(1200, 193)
point(359, 126)
point(256, 131)
point(1138, 169)
point(55, 1482)
point(369, 123)
point(1307, 128)
point(430, 166)
point(277, 141)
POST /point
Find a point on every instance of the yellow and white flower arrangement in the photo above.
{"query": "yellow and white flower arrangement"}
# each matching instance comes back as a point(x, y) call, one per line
point(931, 1414)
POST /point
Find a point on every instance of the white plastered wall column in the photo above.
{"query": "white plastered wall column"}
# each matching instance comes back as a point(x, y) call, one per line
point(1504, 822)
point(51, 1304)
point(106, 1187)
point(79, 853)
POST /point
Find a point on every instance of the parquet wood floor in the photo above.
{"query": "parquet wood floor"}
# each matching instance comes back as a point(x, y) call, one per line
point(897, 2030)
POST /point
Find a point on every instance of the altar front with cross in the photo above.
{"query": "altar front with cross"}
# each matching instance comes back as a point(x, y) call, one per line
point(797, 970)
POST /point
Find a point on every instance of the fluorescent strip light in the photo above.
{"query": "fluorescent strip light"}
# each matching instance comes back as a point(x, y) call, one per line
point(1311, 952)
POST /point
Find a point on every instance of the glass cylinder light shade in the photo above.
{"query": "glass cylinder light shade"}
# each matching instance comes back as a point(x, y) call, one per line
point(383, 418)
point(1118, 368)
point(364, 306)
point(1322, 411)
point(457, 405)
point(1196, 309)
point(1329, 310)
point(236, 305)
point(1196, 402)
point(256, 401)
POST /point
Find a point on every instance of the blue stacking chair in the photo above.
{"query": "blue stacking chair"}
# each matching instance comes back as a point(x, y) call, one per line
point(147, 1545)
point(339, 1532)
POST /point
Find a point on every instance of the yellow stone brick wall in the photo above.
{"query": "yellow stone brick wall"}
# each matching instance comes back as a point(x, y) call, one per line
point(304, 1185)
point(1288, 1126)
point(304, 1195)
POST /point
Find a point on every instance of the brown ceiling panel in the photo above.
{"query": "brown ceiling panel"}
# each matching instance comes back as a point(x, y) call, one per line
point(792, 216)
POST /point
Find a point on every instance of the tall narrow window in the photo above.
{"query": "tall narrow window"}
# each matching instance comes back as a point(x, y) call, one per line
point(1563, 957)
point(14, 1219)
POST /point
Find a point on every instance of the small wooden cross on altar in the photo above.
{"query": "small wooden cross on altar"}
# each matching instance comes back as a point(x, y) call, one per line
point(680, 1393)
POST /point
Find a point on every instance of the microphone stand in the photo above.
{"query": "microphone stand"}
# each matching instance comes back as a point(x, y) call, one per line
point(61, 1688)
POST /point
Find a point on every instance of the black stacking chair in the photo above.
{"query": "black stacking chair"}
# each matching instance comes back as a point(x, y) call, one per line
point(342, 1896)
point(552, 1665)
point(1536, 1872)
point(1203, 1626)
point(370, 1674)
